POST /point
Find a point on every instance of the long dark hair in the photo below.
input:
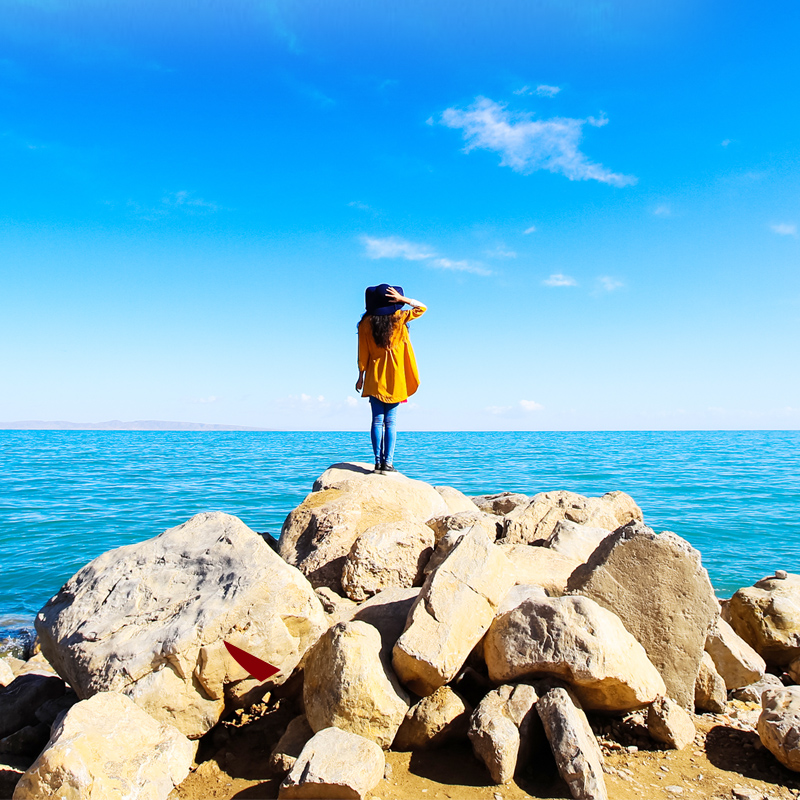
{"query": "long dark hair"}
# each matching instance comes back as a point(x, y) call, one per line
point(382, 326)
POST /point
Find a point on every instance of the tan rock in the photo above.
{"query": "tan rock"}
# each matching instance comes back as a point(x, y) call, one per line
point(335, 764)
point(669, 723)
point(6, 673)
point(767, 616)
point(107, 747)
point(389, 554)
point(540, 566)
point(150, 620)
point(576, 542)
point(779, 725)
point(347, 500)
point(456, 501)
point(734, 659)
point(290, 745)
point(435, 720)
point(387, 611)
point(454, 609)
point(657, 586)
point(460, 522)
point(710, 693)
point(794, 670)
point(502, 503)
point(36, 664)
point(753, 692)
point(349, 685)
point(578, 641)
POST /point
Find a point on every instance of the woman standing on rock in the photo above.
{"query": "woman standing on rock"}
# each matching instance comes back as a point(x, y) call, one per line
point(387, 369)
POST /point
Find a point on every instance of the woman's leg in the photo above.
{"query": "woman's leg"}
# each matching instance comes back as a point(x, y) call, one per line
point(376, 431)
point(389, 433)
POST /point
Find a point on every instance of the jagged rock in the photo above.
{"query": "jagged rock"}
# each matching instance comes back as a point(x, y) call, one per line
point(499, 729)
point(794, 670)
point(335, 763)
point(577, 754)
point(22, 697)
point(767, 616)
point(290, 745)
point(150, 620)
point(576, 542)
point(734, 659)
point(433, 721)
point(461, 521)
point(26, 741)
point(387, 611)
point(779, 725)
point(517, 594)
point(657, 586)
point(334, 605)
point(454, 609)
point(669, 723)
point(753, 692)
point(348, 684)
point(15, 664)
point(456, 501)
point(575, 639)
point(500, 504)
point(49, 711)
point(347, 500)
point(540, 566)
point(6, 673)
point(12, 768)
point(710, 693)
point(109, 747)
point(37, 664)
point(389, 554)
point(536, 521)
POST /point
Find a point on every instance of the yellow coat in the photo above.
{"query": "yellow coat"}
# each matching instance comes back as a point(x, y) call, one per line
point(390, 372)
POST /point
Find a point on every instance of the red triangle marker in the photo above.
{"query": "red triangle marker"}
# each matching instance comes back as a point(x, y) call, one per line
point(259, 669)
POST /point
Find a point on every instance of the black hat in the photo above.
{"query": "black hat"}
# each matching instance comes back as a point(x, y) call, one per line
point(376, 302)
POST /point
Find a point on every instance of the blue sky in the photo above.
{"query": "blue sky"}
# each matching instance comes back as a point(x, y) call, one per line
point(598, 201)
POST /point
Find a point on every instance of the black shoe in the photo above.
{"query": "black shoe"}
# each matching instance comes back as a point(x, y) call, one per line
point(387, 468)
point(378, 467)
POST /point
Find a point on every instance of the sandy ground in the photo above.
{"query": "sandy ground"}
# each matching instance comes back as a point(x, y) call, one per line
point(726, 760)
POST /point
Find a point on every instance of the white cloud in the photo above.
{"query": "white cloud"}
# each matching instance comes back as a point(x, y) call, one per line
point(351, 402)
point(609, 284)
point(785, 228)
point(663, 210)
point(459, 266)
point(725, 142)
point(557, 279)
point(532, 229)
point(205, 400)
point(522, 407)
point(500, 252)
point(543, 90)
point(530, 405)
point(393, 247)
point(498, 410)
point(526, 144)
point(188, 202)
point(359, 205)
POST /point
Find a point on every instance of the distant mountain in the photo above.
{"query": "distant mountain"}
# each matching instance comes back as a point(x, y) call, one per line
point(117, 425)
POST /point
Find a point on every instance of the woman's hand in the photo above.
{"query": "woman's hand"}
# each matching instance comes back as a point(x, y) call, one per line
point(360, 382)
point(393, 296)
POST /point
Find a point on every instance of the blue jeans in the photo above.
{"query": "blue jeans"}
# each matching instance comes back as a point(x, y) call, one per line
point(383, 432)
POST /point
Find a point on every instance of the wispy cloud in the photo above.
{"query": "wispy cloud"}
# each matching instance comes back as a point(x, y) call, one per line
point(784, 228)
point(459, 266)
point(725, 142)
point(359, 205)
point(543, 90)
point(557, 279)
point(523, 406)
point(500, 252)
point(663, 210)
point(527, 145)
point(530, 405)
point(609, 284)
point(394, 247)
point(188, 202)
point(532, 229)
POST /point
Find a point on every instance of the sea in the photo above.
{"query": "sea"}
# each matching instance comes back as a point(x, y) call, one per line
point(68, 496)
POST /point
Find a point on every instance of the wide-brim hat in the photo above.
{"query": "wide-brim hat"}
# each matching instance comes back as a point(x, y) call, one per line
point(376, 302)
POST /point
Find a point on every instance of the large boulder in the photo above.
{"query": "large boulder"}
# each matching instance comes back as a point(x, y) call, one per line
point(578, 756)
point(767, 616)
point(779, 725)
point(335, 764)
point(150, 620)
point(387, 611)
point(347, 500)
point(576, 542)
point(657, 586)
point(753, 692)
point(500, 504)
point(460, 522)
point(387, 554)
point(670, 724)
point(710, 693)
point(456, 501)
point(540, 566)
point(435, 720)
point(536, 521)
point(108, 747)
point(578, 641)
point(348, 684)
point(290, 745)
point(454, 609)
point(734, 659)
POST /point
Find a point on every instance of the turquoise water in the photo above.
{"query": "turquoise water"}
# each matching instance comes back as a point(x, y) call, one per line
point(67, 496)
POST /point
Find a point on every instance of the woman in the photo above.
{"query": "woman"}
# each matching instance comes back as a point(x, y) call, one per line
point(387, 369)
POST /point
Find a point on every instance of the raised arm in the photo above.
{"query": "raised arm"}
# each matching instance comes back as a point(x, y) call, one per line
point(393, 296)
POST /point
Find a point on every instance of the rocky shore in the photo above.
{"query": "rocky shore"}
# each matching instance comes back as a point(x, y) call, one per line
point(426, 644)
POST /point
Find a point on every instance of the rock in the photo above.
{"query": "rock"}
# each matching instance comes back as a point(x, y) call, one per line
point(499, 730)
point(22, 697)
point(456, 501)
point(734, 659)
point(536, 521)
point(335, 763)
point(454, 609)
point(459, 523)
point(500, 504)
point(347, 500)
point(576, 542)
point(669, 723)
point(16, 664)
point(387, 554)
point(710, 693)
point(794, 670)
point(49, 711)
point(753, 692)
point(387, 611)
point(767, 616)
point(575, 639)
point(6, 673)
point(26, 741)
point(348, 684)
point(109, 747)
point(540, 566)
point(433, 721)
point(37, 664)
point(657, 586)
point(779, 725)
point(290, 745)
point(577, 754)
point(517, 595)
point(333, 604)
point(150, 620)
